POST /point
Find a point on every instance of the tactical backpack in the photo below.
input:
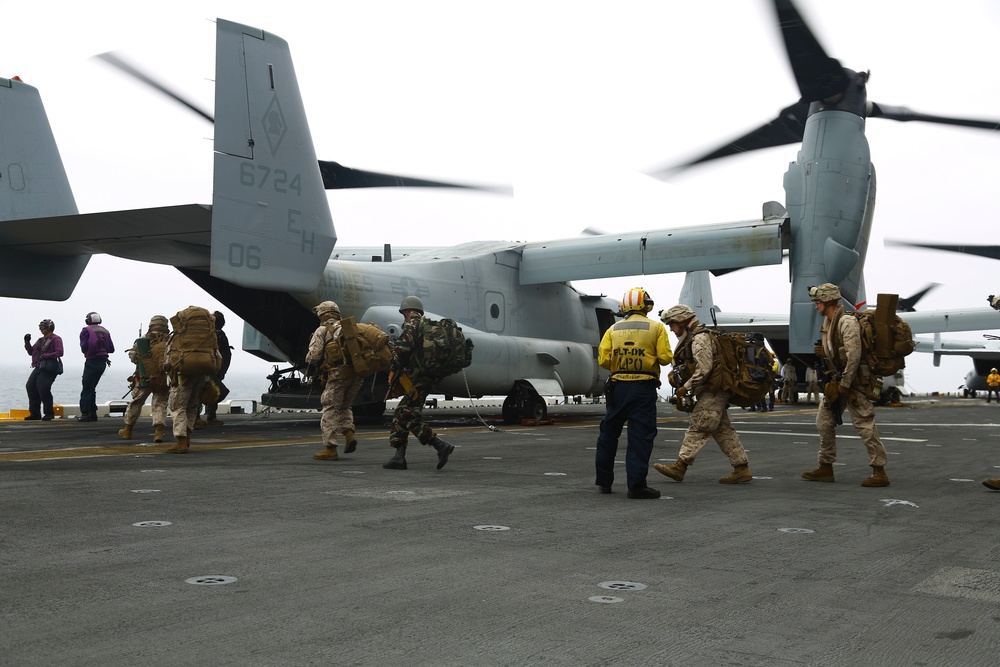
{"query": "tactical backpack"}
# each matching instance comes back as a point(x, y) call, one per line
point(886, 341)
point(445, 349)
point(364, 347)
point(741, 365)
point(149, 363)
point(193, 347)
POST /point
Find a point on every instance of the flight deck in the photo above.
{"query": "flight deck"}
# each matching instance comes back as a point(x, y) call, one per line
point(246, 551)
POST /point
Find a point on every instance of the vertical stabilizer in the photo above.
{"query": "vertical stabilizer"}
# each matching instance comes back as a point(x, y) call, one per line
point(697, 293)
point(271, 224)
point(33, 184)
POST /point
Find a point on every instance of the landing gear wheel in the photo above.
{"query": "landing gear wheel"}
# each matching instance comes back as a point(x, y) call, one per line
point(523, 402)
point(537, 408)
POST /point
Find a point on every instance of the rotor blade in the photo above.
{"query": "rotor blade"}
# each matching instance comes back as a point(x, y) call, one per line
point(905, 114)
point(787, 128)
point(336, 177)
point(906, 305)
point(818, 75)
point(115, 61)
point(988, 251)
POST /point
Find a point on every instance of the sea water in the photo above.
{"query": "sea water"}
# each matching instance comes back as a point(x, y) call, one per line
point(113, 386)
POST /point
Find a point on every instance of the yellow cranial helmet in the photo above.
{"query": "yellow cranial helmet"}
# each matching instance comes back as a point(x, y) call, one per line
point(637, 300)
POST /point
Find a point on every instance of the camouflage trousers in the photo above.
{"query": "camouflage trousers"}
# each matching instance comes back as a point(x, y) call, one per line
point(710, 419)
point(409, 415)
point(863, 417)
point(336, 400)
point(159, 406)
point(185, 402)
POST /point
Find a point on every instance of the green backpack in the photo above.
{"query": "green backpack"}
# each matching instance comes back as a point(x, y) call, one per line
point(445, 349)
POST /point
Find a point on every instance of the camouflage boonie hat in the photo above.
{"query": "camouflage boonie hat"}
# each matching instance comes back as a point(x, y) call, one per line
point(825, 292)
point(676, 314)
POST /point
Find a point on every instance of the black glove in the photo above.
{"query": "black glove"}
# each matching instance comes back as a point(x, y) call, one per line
point(27, 338)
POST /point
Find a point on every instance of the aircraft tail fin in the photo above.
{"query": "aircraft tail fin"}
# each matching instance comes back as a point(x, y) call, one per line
point(697, 293)
point(33, 184)
point(271, 223)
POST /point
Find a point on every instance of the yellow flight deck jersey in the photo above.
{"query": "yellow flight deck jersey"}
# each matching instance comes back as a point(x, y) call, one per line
point(634, 349)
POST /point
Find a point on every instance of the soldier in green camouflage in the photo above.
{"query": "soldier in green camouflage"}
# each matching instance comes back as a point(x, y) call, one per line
point(408, 417)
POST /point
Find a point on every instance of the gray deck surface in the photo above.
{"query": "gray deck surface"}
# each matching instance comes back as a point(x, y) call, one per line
point(507, 556)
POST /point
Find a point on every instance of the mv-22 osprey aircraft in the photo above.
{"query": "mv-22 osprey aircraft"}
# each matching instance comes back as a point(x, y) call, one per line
point(266, 246)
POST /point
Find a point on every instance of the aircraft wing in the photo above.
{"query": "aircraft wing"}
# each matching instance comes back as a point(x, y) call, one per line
point(173, 235)
point(929, 321)
point(967, 348)
point(709, 247)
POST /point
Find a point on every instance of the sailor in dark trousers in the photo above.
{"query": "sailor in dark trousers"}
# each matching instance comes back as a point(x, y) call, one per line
point(633, 350)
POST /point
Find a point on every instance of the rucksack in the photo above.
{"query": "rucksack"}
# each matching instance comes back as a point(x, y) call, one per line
point(362, 346)
point(742, 366)
point(193, 347)
point(445, 349)
point(886, 340)
point(149, 363)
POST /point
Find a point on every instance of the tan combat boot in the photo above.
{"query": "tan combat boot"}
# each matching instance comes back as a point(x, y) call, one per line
point(125, 433)
point(739, 475)
point(674, 471)
point(200, 423)
point(179, 447)
point(328, 454)
point(878, 478)
point(214, 421)
point(992, 484)
point(158, 433)
point(351, 442)
point(824, 473)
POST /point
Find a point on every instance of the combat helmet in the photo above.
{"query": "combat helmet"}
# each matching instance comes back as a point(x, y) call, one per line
point(327, 307)
point(637, 300)
point(158, 323)
point(411, 303)
point(824, 293)
point(677, 314)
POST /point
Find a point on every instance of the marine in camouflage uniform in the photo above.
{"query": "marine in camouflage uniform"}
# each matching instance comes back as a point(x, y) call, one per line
point(408, 417)
point(340, 388)
point(710, 414)
point(157, 332)
point(184, 404)
point(841, 346)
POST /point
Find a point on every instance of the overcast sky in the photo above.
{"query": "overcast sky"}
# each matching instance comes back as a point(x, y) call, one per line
point(571, 102)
